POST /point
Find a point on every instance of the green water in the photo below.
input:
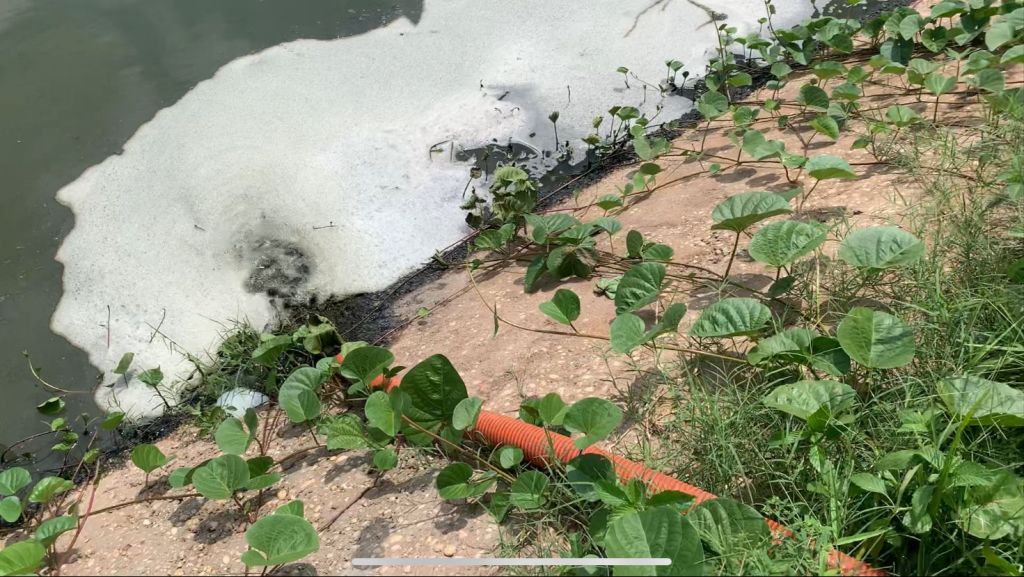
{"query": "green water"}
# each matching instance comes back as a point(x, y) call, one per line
point(77, 78)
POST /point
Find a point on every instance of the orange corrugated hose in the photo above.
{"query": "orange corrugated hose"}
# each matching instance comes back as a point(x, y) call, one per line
point(538, 444)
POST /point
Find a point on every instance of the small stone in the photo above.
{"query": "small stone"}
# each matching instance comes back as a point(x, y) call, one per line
point(174, 531)
point(146, 522)
point(449, 550)
point(282, 494)
point(226, 559)
point(212, 526)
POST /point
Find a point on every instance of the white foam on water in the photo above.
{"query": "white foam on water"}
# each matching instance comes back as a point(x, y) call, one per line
point(336, 134)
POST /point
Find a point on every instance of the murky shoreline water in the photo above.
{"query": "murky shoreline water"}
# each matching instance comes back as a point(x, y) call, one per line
point(78, 79)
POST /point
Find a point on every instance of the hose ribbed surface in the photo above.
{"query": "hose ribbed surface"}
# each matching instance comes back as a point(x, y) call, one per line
point(539, 445)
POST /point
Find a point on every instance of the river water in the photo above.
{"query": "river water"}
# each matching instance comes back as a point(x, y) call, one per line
point(154, 153)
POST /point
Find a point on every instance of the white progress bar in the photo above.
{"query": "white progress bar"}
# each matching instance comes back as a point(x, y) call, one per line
point(509, 562)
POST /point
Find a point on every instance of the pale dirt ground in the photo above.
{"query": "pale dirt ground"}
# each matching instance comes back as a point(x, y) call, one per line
point(403, 516)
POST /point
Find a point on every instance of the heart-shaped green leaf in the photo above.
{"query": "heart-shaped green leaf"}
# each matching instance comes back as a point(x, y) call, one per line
point(563, 308)
point(300, 403)
point(527, 492)
point(52, 406)
point(152, 377)
point(639, 287)
point(781, 243)
point(627, 333)
point(509, 456)
point(365, 364)
point(982, 401)
point(727, 525)
point(826, 125)
point(381, 413)
point(758, 147)
point(454, 482)
point(989, 80)
point(52, 528)
point(813, 97)
point(435, 389)
point(876, 339)
point(731, 317)
point(901, 116)
point(221, 477)
point(148, 457)
point(13, 480)
point(739, 211)
point(825, 166)
point(466, 413)
point(22, 558)
point(586, 471)
point(655, 533)
point(880, 247)
point(232, 438)
point(47, 488)
point(828, 69)
point(593, 417)
point(385, 459)
point(295, 508)
point(279, 539)
point(938, 84)
point(628, 330)
point(790, 345)
point(712, 104)
point(262, 482)
point(805, 398)
point(10, 509)
point(344, 432)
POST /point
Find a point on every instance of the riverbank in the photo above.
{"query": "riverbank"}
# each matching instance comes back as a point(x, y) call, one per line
point(698, 407)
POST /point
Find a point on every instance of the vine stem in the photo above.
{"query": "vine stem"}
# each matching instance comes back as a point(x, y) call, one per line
point(81, 524)
point(348, 506)
point(732, 255)
point(145, 500)
point(804, 197)
point(463, 450)
point(48, 385)
point(494, 311)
